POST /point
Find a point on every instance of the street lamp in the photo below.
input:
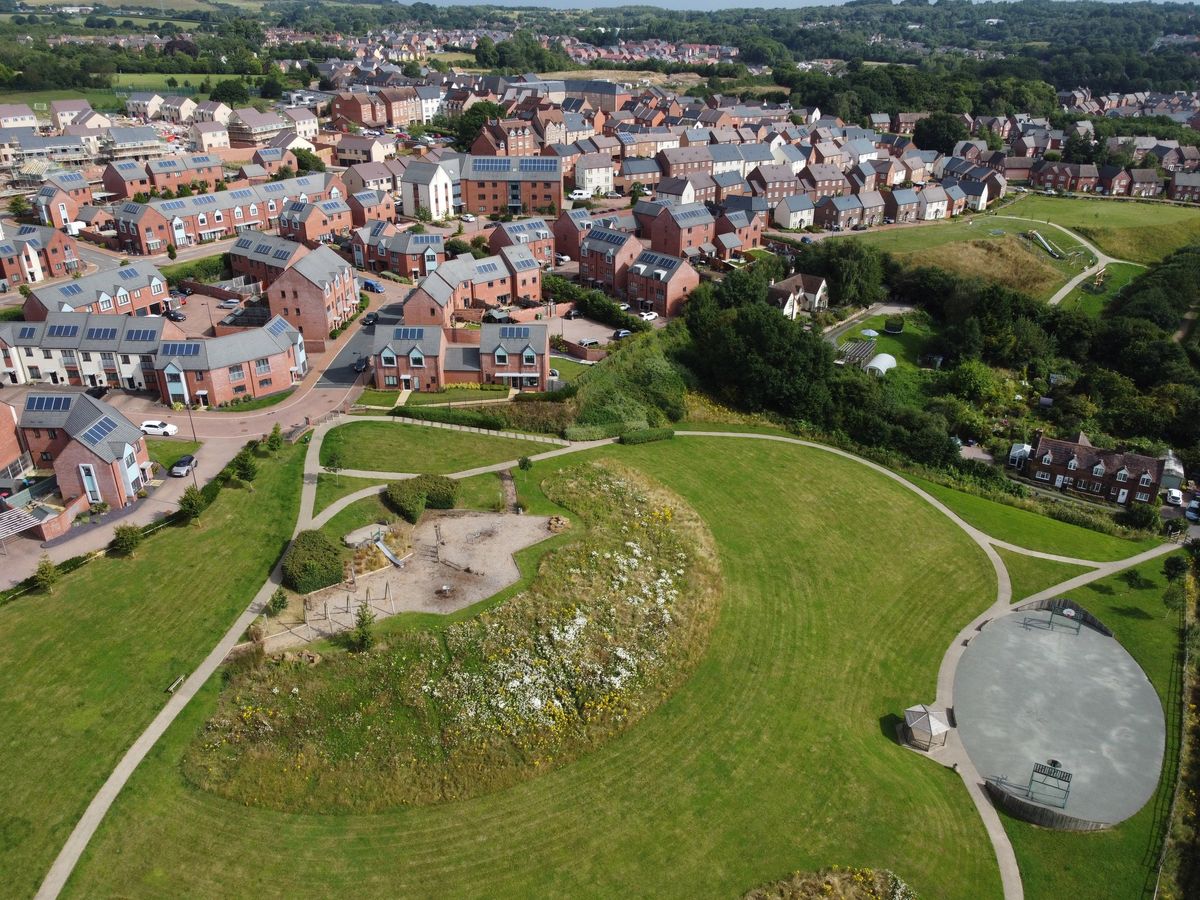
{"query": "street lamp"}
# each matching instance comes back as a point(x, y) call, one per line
point(195, 440)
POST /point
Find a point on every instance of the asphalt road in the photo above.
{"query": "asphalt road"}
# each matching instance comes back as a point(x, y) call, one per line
point(340, 372)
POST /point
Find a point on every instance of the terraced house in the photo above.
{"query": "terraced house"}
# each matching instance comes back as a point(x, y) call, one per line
point(33, 254)
point(137, 289)
point(316, 294)
point(315, 223)
point(430, 358)
point(263, 257)
point(533, 234)
point(463, 288)
point(147, 228)
point(605, 257)
point(660, 283)
point(1079, 468)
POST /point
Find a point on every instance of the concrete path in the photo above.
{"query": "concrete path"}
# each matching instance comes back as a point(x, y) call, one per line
point(952, 755)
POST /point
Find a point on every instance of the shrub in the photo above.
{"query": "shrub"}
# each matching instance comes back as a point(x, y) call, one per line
point(46, 575)
point(362, 638)
point(275, 440)
point(472, 418)
point(590, 432)
point(647, 435)
point(525, 463)
point(440, 492)
point(406, 499)
point(311, 563)
point(125, 540)
point(566, 392)
point(278, 602)
point(245, 466)
point(1141, 516)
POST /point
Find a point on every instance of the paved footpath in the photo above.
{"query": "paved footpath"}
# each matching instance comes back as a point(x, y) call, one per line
point(952, 756)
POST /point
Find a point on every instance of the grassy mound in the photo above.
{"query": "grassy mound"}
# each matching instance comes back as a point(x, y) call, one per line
point(614, 622)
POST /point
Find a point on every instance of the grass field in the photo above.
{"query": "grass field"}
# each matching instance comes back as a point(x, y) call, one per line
point(256, 403)
point(379, 398)
point(907, 346)
point(1030, 574)
point(452, 395)
point(384, 447)
point(1092, 302)
point(775, 756)
point(166, 452)
point(1124, 229)
point(93, 660)
point(157, 81)
point(983, 247)
point(568, 369)
point(480, 492)
point(1034, 531)
point(39, 101)
point(1120, 861)
point(334, 487)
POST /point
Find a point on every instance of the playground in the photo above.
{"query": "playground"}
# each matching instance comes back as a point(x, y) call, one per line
point(458, 558)
point(1053, 711)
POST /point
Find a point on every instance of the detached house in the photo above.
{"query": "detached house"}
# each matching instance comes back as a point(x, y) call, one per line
point(1079, 468)
point(902, 205)
point(605, 257)
point(799, 294)
point(428, 358)
point(660, 283)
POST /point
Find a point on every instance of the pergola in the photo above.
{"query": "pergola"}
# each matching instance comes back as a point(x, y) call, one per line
point(926, 728)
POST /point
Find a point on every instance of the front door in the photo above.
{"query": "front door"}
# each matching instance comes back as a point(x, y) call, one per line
point(92, 380)
point(1058, 480)
point(54, 378)
point(1123, 495)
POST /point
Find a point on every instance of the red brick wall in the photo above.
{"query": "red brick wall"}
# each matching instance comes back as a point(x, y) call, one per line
point(10, 442)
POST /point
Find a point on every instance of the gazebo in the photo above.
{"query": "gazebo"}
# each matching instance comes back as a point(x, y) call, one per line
point(924, 727)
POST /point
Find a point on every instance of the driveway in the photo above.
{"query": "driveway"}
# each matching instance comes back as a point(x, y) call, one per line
point(339, 371)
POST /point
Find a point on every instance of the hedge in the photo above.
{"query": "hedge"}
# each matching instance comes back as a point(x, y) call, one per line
point(406, 498)
point(311, 563)
point(440, 492)
point(647, 435)
point(565, 392)
point(471, 418)
point(594, 432)
point(594, 304)
point(205, 269)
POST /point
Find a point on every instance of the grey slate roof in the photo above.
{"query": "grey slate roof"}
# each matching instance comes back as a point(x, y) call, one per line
point(83, 412)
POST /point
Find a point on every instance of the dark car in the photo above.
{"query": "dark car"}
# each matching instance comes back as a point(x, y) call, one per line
point(370, 284)
point(174, 315)
point(573, 314)
point(370, 318)
point(806, 240)
point(98, 391)
point(360, 365)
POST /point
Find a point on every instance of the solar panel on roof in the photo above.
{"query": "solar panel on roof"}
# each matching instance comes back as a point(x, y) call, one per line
point(26, 333)
point(44, 403)
point(62, 331)
point(525, 263)
point(242, 193)
point(244, 243)
point(174, 349)
point(282, 253)
point(273, 188)
point(141, 334)
point(101, 334)
point(609, 237)
point(173, 205)
point(488, 268)
point(70, 290)
point(514, 332)
point(206, 200)
point(126, 274)
point(408, 334)
point(426, 238)
point(262, 248)
point(538, 164)
point(98, 432)
point(277, 327)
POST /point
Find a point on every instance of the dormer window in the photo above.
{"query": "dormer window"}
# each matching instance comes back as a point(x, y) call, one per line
point(1122, 475)
point(1098, 470)
point(1073, 464)
point(529, 358)
point(1047, 459)
point(387, 359)
point(416, 359)
point(1144, 481)
point(501, 357)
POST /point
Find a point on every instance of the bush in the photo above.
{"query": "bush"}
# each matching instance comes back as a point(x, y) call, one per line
point(591, 432)
point(311, 563)
point(278, 602)
point(525, 464)
point(245, 466)
point(647, 435)
point(596, 305)
point(1140, 516)
point(471, 418)
point(566, 392)
point(406, 499)
point(440, 492)
point(46, 575)
point(125, 540)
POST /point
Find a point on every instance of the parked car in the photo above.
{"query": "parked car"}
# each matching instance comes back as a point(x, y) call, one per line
point(98, 391)
point(588, 343)
point(174, 315)
point(1193, 511)
point(561, 259)
point(648, 316)
point(579, 194)
point(161, 429)
point(621, 334)
point(1174, 497)
point(554, 373)
point(183, 466)
point(623, 307)
point(369, 284)
point(612, 195)
point(370, 319)
point(806, 240)
point(573, 314)
point(229, 304)
point(467, 217)
point(360, 364)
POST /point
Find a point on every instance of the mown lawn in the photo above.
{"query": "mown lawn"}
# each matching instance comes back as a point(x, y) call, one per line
point(568, 369)
point(372, 397)
point(1030, 574)
point(334, 487)
point(1120, 861)
point(86, 669)
point(1124, 229)
point(1092, 301)
point(256, 403)
point(387, 447)
point(906, 347)
point(480, 492)
point(166, 451)
point(1034, 531)
point(452, 395)
point(776, 755)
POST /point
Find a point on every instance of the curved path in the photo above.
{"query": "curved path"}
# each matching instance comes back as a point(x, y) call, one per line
point(953, 755)
point(1102, 259)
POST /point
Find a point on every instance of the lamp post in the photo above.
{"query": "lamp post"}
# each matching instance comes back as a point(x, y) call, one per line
point(195, 440)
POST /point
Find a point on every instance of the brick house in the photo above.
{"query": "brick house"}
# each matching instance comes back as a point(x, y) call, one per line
point(137, 289)
point(35, 253)
point(246, 363)
point(316, 294)
point(739, 231)
point(354, 149)
point(59, 199)
point(414, 255)
point(272, 159)
point(660, 283)
point(533, 234)
point(1062, 176)
point(679, 162)
point(873, 209)
point(465, 283)
point(823, 181)
point(510, 185)
point(428, 358)
point(682, 231)
point(838, 213)
point(605, 257)
point(1145, 183)
point(506, 137)
point(901, 205)
point(195, 170)
point(315, 223)
point(368, 205)
point(1078, 468)
point(570, 228)
point(125, 178)
point(1113, 180)
point(359, 108)
point(263, 257)
point(1185, 186)
point(774, 181)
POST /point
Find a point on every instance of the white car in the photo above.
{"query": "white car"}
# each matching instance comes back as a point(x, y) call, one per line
point(561, 259)
point(467, 217)
point(1174, 497)
point(229, 304)
point(648, 316)
point(162, 429)
point(623, 307)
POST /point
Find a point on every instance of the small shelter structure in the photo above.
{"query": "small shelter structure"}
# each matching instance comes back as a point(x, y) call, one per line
point(925, 727)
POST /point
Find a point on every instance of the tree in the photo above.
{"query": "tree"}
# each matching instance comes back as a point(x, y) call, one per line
point(278, 602)
point(1174, 597)
point(172, 253)
point(275, 439)
point(245, 466)
point(940, 131)
point(307, 161)
point(333, 464)
point(637, 191)
point(232, 91)
point(271, 87)
point(486, 56)
point(191, 504)
point(423, 214)
point(125, 540)
point(18, 206)
point(283, 173)
point(1174, 568)
point(172, 82)
point(411, 69)
point(362, 638)
point(46, 575)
